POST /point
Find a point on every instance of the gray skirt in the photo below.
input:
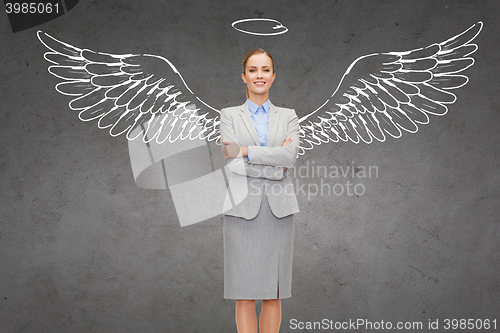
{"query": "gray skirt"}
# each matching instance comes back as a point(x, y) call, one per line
point(258, 255)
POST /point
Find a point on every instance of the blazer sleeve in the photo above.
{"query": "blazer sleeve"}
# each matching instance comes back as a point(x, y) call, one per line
point(280, 156)
point(238, 165)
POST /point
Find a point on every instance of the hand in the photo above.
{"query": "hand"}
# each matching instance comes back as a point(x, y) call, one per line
point(230, 150)
point(287, 141)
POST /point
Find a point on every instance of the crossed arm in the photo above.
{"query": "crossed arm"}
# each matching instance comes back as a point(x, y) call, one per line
point(265, 162)
point(282, 156)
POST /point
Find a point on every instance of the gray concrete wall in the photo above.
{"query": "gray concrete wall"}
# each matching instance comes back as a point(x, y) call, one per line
point(83, 249)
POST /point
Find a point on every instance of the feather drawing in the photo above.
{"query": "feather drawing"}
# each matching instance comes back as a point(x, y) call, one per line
point(122, 92)
point(380, 94)
point(143, 96)
point(387, 93)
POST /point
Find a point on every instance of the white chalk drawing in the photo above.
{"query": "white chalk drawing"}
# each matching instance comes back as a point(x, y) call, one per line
point(274, 27)
point(385, 93)
point(379, 94)
point(123, 92)
point(145, 98)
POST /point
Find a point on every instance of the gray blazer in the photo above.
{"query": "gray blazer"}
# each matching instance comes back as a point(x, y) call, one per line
point(264, 171)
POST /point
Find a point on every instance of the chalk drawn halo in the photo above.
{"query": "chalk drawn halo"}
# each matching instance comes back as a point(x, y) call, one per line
point(278, 26)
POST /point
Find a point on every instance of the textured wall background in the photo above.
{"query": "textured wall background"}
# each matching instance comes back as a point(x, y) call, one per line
point(83, 249)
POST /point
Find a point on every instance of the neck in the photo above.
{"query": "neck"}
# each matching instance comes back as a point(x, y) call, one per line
point(258, 99)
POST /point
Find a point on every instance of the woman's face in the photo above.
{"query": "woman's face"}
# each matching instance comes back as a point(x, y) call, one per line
point(259, 74)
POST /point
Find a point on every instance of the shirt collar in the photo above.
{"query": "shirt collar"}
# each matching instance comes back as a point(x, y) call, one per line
point(253, 107)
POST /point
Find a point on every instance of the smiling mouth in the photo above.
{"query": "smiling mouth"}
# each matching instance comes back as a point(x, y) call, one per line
point(259, 83)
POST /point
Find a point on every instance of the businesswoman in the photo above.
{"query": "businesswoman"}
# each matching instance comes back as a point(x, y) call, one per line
point(261, 142)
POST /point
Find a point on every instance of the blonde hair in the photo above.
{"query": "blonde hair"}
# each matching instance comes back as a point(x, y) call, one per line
point(253, 52)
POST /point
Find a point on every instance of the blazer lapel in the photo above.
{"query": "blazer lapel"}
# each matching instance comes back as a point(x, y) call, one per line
point(247, 120)
point(273, 125)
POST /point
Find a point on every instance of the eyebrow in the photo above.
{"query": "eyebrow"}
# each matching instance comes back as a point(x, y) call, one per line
point(250, 66)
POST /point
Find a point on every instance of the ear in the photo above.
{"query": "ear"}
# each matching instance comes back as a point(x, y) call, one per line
point(243, 78)
point(274, 76)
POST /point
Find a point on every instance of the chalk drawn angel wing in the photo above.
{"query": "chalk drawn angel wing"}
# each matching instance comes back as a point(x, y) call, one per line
point(386, 93)
point(130, 91)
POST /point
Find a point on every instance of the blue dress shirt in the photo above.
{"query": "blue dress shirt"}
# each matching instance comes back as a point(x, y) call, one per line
point(260, 118)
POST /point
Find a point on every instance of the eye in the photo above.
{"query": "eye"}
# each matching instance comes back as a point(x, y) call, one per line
point(252, 70)
point(267, 70)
